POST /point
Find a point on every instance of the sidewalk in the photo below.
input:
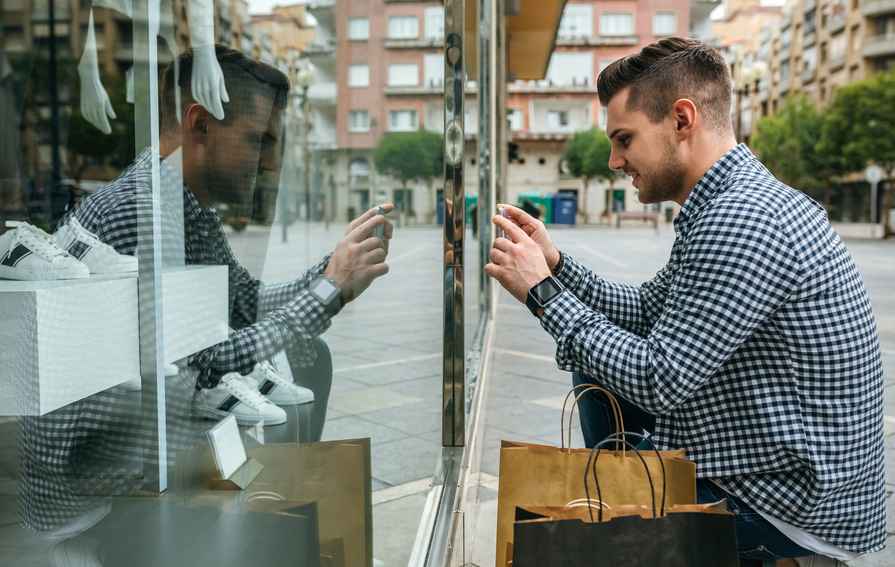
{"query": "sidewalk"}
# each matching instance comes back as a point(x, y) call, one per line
point(526, 390)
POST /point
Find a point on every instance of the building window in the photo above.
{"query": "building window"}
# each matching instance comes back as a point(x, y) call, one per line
point(604, 117)
point(359, 171)
point(402, 120)
point(403, 27)
point(786, 38)
point(577, 21)
point(358, 75)
point(403, 75)
point(557, 118)
point(516, 119)
point(359, 28)
point(617, 24)
point(784, 71)
point(664, 23)
point(359, 121)
point(433, 70)
point(434, 16)
point(571, 68)
point(810, 21)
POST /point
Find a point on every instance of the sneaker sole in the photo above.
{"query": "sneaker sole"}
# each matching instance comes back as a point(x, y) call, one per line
point(113, 270)
point(19, 274)
point(216, 414)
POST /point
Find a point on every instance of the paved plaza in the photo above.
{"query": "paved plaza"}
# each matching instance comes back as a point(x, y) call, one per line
point(387, 352)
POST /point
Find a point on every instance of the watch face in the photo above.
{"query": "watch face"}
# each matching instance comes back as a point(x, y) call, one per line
point(546, 290)
point(323, 288)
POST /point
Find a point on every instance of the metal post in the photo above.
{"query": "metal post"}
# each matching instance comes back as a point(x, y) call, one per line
point(873, 196)
point(454, 395)
point(306, 153)
point(55, 161)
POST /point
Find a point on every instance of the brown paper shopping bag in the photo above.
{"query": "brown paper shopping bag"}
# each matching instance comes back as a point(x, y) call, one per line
point(540, 475)
point(599, 535)
point(336, 475)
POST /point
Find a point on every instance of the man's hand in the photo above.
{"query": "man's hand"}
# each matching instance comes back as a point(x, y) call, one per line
point(536, 230)
point(518, 263)
point(359, 258)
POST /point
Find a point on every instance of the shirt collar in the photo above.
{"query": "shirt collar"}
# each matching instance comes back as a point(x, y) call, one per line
point(714, 182)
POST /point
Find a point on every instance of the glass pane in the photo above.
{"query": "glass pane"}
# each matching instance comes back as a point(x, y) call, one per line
point(197, 194)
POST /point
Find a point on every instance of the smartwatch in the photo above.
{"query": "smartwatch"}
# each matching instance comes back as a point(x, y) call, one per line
point(543, 293)
point(328, 293)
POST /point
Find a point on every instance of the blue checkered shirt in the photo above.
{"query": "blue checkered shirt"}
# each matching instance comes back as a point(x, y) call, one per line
point(755, 347)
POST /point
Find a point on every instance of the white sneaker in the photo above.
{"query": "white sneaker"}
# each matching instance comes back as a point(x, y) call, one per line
point(28, 253)
point(277, 389)
point(86, 247)
point(819, 561)
point(237, 395)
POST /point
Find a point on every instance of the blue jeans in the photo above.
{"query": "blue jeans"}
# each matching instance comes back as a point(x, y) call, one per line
point(319, 379)
point(760, 544)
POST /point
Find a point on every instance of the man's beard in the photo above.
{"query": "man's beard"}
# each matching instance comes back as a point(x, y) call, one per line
point(226, 185)
point(667, 183)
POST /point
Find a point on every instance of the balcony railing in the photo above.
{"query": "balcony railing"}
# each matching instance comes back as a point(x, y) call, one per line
point(784, 53)
point(783, 86)
point(879, 7)
point(809, 74)
point(413, 43)
point(323, 93)
point(879, 45)
point(808, 5)
point(836, 62)
point(604, 40)
point(837, 23)
point(810, 39)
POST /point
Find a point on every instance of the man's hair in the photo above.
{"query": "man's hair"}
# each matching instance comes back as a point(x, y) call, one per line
point(244, 78)
point(664, 72)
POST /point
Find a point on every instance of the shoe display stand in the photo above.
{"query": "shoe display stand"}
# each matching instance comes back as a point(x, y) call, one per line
point(61, 341)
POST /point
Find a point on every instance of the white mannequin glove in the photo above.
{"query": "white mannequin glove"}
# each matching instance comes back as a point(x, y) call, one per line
point(207, 81)
point(95, 105)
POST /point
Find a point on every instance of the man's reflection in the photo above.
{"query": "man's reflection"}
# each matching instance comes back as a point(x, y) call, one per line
point(74, 458)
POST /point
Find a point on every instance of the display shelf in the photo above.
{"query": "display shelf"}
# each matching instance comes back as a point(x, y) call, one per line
point(61, 341)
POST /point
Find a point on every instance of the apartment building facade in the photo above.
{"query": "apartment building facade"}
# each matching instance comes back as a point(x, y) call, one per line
point(812, 47)
point(379, 69)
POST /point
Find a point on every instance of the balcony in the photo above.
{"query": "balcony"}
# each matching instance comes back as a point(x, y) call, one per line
point(320, 50)
point(783, 86)
point(879, 7)
point(785, 22)
point(533, 87)
point(808, 5)
point(837, 24)
point(431, 89)
point(810, 39)
point(764, 90)
point(784, 53)
point(414, 43)
point(879, 45)
point(809, 74)
point(836, 62)
point(322, 138)
point(317, 5)
point(599, 41)
point(323, 94)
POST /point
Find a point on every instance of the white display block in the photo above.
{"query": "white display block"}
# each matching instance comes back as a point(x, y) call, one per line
point(196, 310)
point(65, 340)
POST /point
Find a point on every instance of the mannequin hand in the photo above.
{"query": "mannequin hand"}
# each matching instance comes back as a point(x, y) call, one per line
point(208, 81)
point(95, 104)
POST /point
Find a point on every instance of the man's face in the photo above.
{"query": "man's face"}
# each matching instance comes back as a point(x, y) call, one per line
point(241, 150)
point(645, 151)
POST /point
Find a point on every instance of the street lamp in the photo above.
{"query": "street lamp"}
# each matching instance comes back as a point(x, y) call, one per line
point(305, 78)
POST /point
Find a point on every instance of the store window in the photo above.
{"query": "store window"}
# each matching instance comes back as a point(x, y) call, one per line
point(403, 27)
point(402, 120)
point(403, 75)
point(358, 28)
point(664, 23)
point(359, 121)
point(359, 76)
point(616, 24)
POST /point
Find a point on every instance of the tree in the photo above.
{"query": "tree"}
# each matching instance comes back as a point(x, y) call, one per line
point(409, 156)
point(787, 144)
point(858, 126)
point(587, 157)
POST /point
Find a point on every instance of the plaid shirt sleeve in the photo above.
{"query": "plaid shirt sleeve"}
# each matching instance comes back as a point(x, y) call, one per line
point(274, 296)
point(634, 309)
point(736, 270)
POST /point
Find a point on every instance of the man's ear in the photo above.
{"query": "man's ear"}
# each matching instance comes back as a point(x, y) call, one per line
point(196, 123)
point(684, 115)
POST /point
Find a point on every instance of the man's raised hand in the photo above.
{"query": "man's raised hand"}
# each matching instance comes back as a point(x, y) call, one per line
point(535, 230)
point(359, 257)
point(517, 263)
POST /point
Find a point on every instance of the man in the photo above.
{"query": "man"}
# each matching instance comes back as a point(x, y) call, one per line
point(754, 348)
point(73, 458)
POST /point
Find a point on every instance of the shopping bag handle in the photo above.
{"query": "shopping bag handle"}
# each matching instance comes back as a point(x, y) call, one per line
point(579, 502)
point(595, 454)
point(616, 412)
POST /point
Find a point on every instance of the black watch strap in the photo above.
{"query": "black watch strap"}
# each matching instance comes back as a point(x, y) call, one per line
point(542, 294)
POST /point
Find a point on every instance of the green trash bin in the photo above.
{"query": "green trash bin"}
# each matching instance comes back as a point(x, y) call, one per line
point(541, 201)
point(471, 199)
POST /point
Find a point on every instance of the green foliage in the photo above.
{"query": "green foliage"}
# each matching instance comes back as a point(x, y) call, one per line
point(587, 156)
point(858, 126)
point(407, 156)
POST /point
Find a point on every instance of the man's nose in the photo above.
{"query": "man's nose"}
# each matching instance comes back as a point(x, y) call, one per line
point(268, 161)
point(616, 160)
